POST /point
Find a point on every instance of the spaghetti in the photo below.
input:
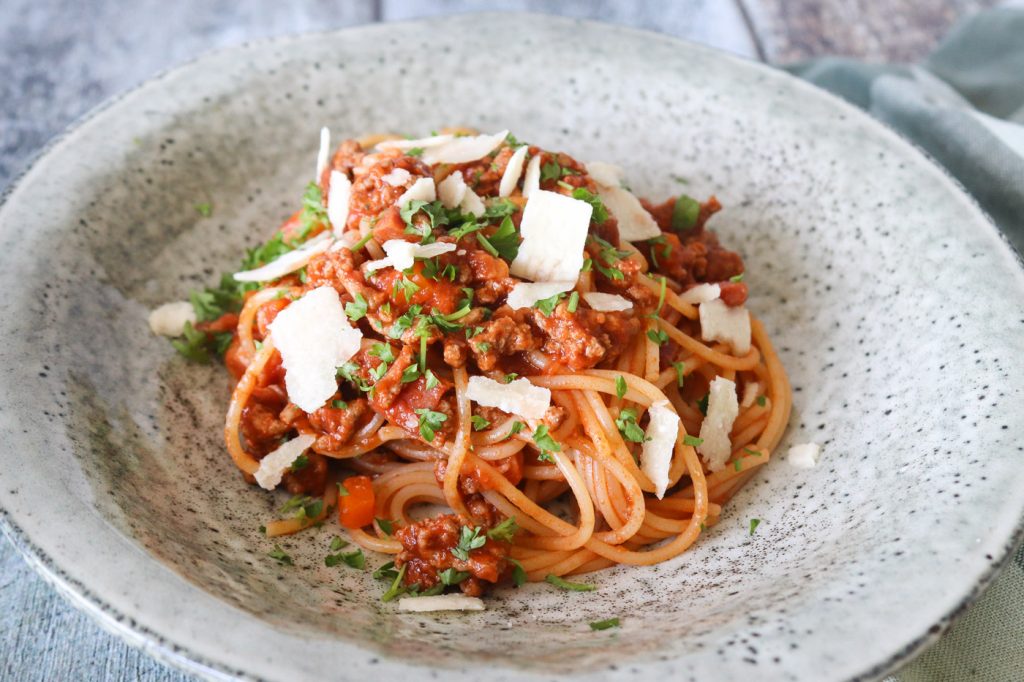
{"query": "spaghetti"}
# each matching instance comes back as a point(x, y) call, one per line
point(566, 491)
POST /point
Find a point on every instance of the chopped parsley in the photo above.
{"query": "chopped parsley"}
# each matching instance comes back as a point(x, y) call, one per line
point(205, 209)
point(337, 543)
point(300, 463)
point(510, 377)
point(754, 523)
point(342, 490)
point(545, 443)
point(502, 208)
point(692, 440)
point(679, 367)
point(550, 171)
point(354, 559)
point(518, 573)
point(685, 213)
point(415, 151)
point(630, 430)
point(313, 211)
point(410, 374)
point(737, 278)
point(281, 557)
point(197, 346)
point(755, 453)
point(504, 242)
point(605, 624)
point(396, 584)
point(574, 301)
point(658, 336)
point(566, 585)
point(432, 381)
point(702, 404)
point(479, 423)
point(356, 310)
point(620, 386)
point(517, 426)
point(547, 305)
point(761, 401)
point(504, 531)
point(451, 576)
point(386, 525)
point(600, 213)
point(430, 423)
point(469, 539)
point(339, 404)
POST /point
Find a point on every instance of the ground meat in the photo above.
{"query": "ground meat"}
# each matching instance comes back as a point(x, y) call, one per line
point(692, 256)
point(335, 425)
point(489, 277)
point(349, 155)
point(371, 195)
point(484, 176)
point(501, 335)
point(262, 427)
point(582, 339)
point(310, 479)
point(427, 550)
point(733, 293)
point(399, 401)
point(338, 269)
point(456, 350)
point(474, 479)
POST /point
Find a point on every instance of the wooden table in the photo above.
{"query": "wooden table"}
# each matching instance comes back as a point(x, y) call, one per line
point(59, 58)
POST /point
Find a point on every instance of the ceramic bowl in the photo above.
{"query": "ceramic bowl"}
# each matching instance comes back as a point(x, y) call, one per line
point(896, 307)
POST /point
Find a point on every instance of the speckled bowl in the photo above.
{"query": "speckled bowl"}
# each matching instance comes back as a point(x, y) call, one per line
point(896, 306)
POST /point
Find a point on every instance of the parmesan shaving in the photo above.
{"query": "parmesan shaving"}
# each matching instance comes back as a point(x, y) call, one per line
point(804, 455)
point(607, 303)
point(273, 465)
point(472, 203)
point(402, 254)
point(314, 338)
point(525, 294)
point(170, 318)
point(519, 397)
point(324, 153)
point(750, 392)
point(440, 602)
point(607, 174)
point(398, 177)
point(554, 230)
point(531, 181)
point(635, 223)
point(701, 293)
point(452, 190)
point(656, 456)
point(714, 430)
point(731, 325)
point(463, 149)
point(421, 143)
point(287, 263)
point(339, 193)
point(421, 190)
point(514, 169)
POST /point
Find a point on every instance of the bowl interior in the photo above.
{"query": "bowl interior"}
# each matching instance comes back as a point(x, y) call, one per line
point(863, 262)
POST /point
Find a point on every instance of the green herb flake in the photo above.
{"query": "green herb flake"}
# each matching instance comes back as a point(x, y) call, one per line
point(518, 573)
point(545, 443)
point(754, 523)
point(339, 404)
point(692, 441)
point(396, 585)
point(342, 490)
point(620, 386)
point(504, 531)
point(354, 559)
point(432, 381)
point(737, 278)
point(451, 576)
point(762, 401)
point(685, 213)
point(430, 423)
point(300, 463)
point(547, 305)
point(566, 585)
point(205, 209)
point(574, 301)
point(337, 543)
point(658, 336)
point(605, 624)
point(517, 426)
point(356, 310)
point(281, 556)
point(702, 404)
point(479, 423)
point(600, 213)
point(469, 539)
point(630, 430)
point(386, 525)
point(679, 367)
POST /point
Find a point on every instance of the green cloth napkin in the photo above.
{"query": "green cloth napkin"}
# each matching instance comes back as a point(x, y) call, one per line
point(965, 107)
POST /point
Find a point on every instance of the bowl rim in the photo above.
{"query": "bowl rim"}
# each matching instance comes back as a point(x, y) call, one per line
point(180, 656)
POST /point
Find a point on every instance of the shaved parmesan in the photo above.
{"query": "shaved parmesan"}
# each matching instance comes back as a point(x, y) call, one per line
point(440, 602)
point(510, 178)
point(472, 203)
point(398, 177)
point(324, 153)
point(314, 338)
point(345, 241)
point(287, 263)
point(402, 254)
point(554, 230)
point(714, 430)
point(607, 174)
point(804, 455)
point(750, 392)
point(519, 397)
point(422, 143)
point(662, 433)
point(731, 325)
point(338, 195)
point(606, 303)
point(170, 318)
point(702, 293)
point(463, 149)
point(525, 294)
point(452, 190)
point(421, 190)
point(531, 181)
point(273, 465)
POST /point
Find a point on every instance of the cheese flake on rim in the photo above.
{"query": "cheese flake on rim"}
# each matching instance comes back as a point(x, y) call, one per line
point(452, 190)
point(731, 325)
point(169, 319)
point(463, 149)
point(314, 338)
point(322, 156)
point(402, 254)
point(398, 177)
point(421, 143)
point(519, 397)
point(273, 465)
point(440, 602)
point(701, 293)
point(607, 303)
point(804, 455)
point(656, 456)
point(531, 181)
point(554, 230)
point(723, 409)
point(339, 193)
point(525, 294)
point(287, 263)
point(514, 169)
point(421, 190)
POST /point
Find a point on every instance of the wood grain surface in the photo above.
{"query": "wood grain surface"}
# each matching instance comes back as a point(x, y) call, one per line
point(60, 58)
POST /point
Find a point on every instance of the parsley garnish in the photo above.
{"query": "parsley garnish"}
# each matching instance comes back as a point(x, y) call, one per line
point(415, 151)
point(342, 490)
point(469, 539)
point(680, 377)
point(550, 171)
point(630, 430)
point(510, 377)
point(197, 346)
point(600, 213)
point(356, 310)
point(300, 463)
point(761, 401)
point(386, 525)
point(754, 523)
point(410, 374)
point(337, 543)
point(313, 211)
point(504, 531)
point(432, 381)
point(354, 559)
point(430, 423)
point(620, 386)
point(755, 453)
point(396, 585)
point(737, 278)
point(205, 209)
point(501, 208)
point(692, 440)
point(605, 624)
point(517, 426)
point(661, 295)
point(574, 301)
point(518, 573)
point(545, 443)
point(685, 213)
point(281, 557)
point(702, 404)
point(479, 423)
point(659, 336)
point(451, 576)
point(547, 305)
point(386, 572)
point(339, 404)
point(566, 585)
point(504, 242)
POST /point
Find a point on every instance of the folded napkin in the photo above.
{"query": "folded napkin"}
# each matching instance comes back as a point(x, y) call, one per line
point(964, 106)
